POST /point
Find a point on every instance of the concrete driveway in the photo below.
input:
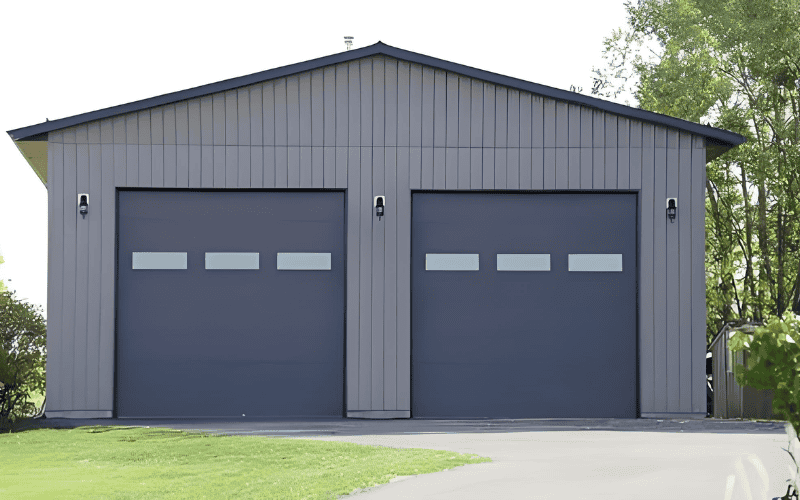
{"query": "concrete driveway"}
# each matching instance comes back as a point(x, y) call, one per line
point(575, 459)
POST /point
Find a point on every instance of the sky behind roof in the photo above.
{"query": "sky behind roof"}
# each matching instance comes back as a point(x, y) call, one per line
point(67, 58)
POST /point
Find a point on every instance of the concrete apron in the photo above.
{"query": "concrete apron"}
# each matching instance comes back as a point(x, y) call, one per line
point(532, 459)
point(595, 465)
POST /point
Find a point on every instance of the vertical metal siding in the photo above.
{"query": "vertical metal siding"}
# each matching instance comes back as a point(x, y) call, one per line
point(107, 283)
point(512, 167)
point(403, 281)
point(365, 280)
point(353, 314)
point(157, 131)
point(685, 272)
point(673, 276)
point(94, 274)
point(698, 245)
point(243, 131)
point(81, 354)
point(525, 168)
point(70, 340)
point(182, 143)
point(375, 329)
point(57, 387)
point(403, 104)
point(390, 102)
point(195, 139)
point(376, 126)
point(389, 355)
point(375, 112)
point(660, 273)
point(647, 384)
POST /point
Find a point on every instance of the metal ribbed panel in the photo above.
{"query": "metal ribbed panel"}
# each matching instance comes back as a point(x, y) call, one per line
point(451, 132)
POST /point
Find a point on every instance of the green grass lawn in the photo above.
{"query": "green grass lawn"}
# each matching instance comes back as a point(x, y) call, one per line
point(128, 462)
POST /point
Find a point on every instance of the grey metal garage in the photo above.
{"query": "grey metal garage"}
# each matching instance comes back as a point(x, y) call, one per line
point(372, 122)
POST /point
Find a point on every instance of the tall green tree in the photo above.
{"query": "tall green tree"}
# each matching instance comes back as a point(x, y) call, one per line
point(733, 64)
point(2, 285)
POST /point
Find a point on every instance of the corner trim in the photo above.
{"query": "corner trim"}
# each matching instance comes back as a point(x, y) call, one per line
point(379, 414)
point(674, 415)
point(78, 414)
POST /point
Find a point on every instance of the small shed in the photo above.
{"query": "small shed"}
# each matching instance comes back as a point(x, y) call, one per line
point(730, 399)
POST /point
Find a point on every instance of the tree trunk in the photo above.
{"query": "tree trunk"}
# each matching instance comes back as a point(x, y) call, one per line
point(796, 299)
point(724, 285)
point(780, 306)
point(749, 281)
point(765, 269)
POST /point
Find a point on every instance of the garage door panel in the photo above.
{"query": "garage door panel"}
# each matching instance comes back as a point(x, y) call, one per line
point(193, 388)
point(258, 341)
point(551, 343)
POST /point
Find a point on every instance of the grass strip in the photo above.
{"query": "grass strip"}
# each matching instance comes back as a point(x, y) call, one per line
point(133, 462)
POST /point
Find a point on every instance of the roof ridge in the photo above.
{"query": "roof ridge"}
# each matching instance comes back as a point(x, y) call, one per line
point(720, 139)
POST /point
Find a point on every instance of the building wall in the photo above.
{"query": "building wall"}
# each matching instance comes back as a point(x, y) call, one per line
point(376, 126)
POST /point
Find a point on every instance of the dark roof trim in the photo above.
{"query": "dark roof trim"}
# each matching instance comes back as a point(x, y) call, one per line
point(723, 138)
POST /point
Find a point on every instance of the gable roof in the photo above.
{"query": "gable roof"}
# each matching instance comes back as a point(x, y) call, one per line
point(717, 140)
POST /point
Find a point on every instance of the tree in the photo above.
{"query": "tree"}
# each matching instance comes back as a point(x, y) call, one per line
point(2, 285)
point(733, 64)
point(22, 358)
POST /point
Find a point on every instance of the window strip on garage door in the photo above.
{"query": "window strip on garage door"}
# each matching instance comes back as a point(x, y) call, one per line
point(595, 262)
point(158, 260)
point(523, 262)
point(451, 262)
point(232, 260)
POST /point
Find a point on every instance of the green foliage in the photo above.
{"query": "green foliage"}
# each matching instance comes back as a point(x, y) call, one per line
point(124, 462)
point(733, 64)
point(22, 358)
point(2, 285)
point(773, 363)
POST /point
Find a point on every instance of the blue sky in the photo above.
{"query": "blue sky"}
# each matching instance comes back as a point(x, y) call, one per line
point(66, 58)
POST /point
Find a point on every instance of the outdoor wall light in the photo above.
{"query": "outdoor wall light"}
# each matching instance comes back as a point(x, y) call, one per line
point(379, 205)
point(672, 208)
point(83, 204)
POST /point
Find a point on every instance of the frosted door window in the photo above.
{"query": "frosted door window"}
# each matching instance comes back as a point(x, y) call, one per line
point(595, 262)
point(231, 260)
point(451, 262)
point(523, 262)
point(299, 261)
point(158, 260)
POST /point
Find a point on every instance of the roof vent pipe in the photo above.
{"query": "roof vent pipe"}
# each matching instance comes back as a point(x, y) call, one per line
point(348, 40)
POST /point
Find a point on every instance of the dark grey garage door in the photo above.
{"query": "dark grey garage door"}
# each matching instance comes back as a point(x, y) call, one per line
point(230, 303)
point(523, 305)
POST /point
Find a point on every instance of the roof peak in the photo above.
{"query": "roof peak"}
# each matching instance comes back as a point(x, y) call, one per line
point(725, 139)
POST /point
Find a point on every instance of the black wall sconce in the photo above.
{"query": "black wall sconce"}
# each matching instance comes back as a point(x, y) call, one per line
point(672, 208)
point(379, 206)
point(83, 204)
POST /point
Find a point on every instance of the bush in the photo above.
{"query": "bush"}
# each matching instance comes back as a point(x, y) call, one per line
point(23, 351)
point(773, 363)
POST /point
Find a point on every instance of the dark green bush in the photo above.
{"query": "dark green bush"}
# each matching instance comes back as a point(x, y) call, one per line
point(23, 350)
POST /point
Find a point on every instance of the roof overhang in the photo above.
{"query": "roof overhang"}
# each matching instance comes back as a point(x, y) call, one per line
point(35, 153)
point(718, 140)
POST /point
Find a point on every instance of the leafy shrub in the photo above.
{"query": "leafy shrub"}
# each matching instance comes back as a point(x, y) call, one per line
point(23, 334)
point(773, 363)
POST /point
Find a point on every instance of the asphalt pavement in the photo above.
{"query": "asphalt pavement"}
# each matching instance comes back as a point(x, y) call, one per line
point(549, 458)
